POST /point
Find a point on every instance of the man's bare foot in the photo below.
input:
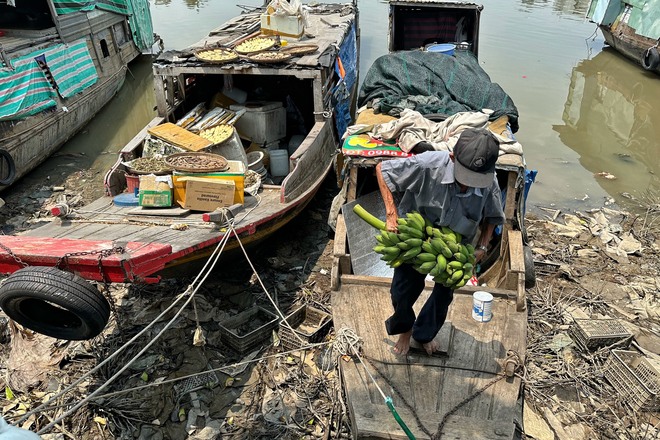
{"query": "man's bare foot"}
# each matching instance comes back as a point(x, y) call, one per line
point(403, 344)
point(430, 347)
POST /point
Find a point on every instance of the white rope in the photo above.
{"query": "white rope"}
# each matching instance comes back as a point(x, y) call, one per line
point(192, 290)
point(272, 301)
point(348, 338)
point(214, 256)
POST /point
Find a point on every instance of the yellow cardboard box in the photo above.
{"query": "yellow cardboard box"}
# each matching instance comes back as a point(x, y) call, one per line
point(155, 191)
point(235, 173)
point(203, 194)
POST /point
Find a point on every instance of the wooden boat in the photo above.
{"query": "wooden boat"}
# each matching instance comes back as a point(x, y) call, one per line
point(110, 243)
point(630, 29)
point(470, 389)
point(60, 63)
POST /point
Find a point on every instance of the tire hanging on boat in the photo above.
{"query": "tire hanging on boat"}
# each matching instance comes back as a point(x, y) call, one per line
point(11, 165)
point(55, 303)
point(651, 58)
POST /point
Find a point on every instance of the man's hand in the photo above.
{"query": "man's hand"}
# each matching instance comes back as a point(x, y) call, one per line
point(391, 221)
point(479, 254)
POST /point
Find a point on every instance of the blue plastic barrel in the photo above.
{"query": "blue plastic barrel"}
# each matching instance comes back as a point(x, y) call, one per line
point(446, 48)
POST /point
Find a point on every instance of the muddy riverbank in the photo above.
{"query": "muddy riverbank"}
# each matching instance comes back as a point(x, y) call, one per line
point(590, 265)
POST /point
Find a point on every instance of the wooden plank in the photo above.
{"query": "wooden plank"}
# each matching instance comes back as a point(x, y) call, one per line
point(516, 254)
point(179, 136)
point(432, 384)
point(510, 203)
point(373, 420)
point(351, 193)
point(132, 145)
point(166, 212)
point(339, 247)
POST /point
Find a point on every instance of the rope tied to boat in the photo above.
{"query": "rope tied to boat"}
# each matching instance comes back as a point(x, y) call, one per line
point(347, 340)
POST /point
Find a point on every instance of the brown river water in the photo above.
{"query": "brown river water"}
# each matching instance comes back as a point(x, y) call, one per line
point(584, 111)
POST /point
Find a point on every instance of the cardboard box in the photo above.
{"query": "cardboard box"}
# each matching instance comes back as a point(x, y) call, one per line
point(203, 194)
point(155, 191)
point(235, 173)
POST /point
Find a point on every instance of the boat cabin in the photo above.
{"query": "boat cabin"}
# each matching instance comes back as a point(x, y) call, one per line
point(419, 23)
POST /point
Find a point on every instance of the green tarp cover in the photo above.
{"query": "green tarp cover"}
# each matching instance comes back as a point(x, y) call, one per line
point(72, 67)
point(137, 10)
point(63, 7)
point(431, 82)
point(26, 91)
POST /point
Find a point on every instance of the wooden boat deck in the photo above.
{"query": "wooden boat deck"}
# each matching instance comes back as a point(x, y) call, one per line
point(102, 241)
point(429, 386)
point(103, 220)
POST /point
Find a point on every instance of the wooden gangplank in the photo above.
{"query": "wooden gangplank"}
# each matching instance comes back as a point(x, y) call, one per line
point(429, 387)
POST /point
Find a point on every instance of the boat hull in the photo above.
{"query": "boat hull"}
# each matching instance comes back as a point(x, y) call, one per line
point(628, 44)
point(32, 140)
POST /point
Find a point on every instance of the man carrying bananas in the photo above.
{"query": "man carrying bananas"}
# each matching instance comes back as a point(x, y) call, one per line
point(456, 189)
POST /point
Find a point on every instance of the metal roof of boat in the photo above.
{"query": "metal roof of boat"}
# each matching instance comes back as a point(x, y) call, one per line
point(327, 26)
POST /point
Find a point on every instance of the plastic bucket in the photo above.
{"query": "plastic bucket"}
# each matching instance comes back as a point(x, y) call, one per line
point(482, 306)
point(445, 48)
point(279, 163)
point(132, 183)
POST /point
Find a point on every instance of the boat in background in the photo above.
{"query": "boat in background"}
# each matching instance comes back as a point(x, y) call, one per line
point(60, 63)
point(298, 96)
point(632, 29)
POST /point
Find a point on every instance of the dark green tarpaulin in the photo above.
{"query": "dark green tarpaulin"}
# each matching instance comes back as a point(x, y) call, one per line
point(434, 83)
point(137, 11)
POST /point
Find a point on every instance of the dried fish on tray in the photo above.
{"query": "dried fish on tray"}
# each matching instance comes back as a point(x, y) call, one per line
point(217, 55)
point(269, 57)
point(197, 162)
point(218, 134)
point(254, 45)
point(148, 165)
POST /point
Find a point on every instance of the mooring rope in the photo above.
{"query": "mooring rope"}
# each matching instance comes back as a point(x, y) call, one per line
point(208, 267)
point(348, 338)
point(190, 291)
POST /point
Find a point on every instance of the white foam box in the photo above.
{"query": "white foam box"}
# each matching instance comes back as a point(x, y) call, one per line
point(263, 122)
point(284, 25)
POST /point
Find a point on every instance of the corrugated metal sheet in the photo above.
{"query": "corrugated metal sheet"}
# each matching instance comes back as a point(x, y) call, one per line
point(75, 26)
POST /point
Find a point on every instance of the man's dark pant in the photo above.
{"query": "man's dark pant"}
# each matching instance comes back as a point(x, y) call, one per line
point(407, 285)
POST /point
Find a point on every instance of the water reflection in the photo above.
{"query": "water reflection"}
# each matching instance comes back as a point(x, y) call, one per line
point(608, 121)
point(572, 7)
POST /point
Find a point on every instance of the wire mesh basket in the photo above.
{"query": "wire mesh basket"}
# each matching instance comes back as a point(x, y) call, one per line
point(309, 323)
point(239, 331)
point(595, 333)
point(635, 378)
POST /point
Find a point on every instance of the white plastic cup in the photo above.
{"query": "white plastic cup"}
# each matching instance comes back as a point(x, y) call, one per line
point(482, 306)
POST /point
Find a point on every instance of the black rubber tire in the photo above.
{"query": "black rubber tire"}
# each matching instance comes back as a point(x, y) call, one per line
point(530, 273)
point(4, 155)
point(650, 58)
point(54, 303)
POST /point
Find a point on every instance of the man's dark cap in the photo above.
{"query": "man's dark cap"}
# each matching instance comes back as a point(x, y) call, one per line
point(475, 155)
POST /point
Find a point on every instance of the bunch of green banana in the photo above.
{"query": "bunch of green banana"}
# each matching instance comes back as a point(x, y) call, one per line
point(434, 251)
point(404, 246)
